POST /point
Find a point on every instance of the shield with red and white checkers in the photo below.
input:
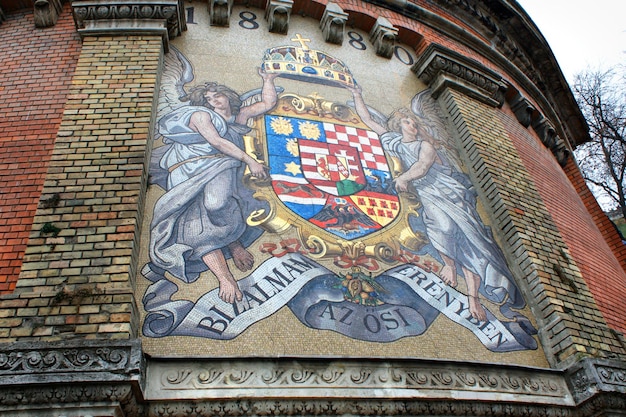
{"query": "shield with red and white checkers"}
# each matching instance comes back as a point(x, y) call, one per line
point(334, 175)
point(333, 168)
point(365, 141)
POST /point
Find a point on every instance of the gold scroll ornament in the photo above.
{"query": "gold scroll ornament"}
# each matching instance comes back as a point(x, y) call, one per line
point(384, 245)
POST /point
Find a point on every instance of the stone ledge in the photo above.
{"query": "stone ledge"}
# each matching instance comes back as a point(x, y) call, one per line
point(442, 68)
point(164, 18)
point(25, 363)
point(109, 376)
point(593, 376)
point(352, 378)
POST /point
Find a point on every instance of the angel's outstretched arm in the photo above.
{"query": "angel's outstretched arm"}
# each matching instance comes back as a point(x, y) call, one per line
point(363, 112)
point(201, 123)
point(416, 171)
point(268, 99)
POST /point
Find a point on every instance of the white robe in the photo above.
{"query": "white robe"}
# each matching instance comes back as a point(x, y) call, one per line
point(453, 225)
point(206, 204)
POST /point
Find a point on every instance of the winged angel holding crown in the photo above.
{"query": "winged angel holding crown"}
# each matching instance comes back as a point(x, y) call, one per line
point(431, 169)
point(200, 221)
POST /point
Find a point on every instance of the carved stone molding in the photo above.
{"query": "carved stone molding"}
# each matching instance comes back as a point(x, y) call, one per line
point(548, 136)
point(316, 407)
point(67, 397)
point(523, 109)
point(333, 23)
point(72, 375)
point(277, 14)
point(592, 376)
point(188, 380)
point(383, 36)
point(442, 68)
point(105, 377)
point(163, 18)
point(37, 362)
point(220, 11)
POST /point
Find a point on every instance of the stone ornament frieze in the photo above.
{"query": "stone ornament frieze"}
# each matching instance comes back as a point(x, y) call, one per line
point(38, 362)
point(164, 18)
point(442, 68)
point(612, 375)
point(168, 380)
point(324, 407)
point(590, 377)
point(108, 375)
point(71, 400)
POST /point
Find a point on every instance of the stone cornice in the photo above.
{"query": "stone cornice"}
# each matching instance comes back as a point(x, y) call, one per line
point(164, 18)
point(38, 362)
point(108, 375)
point(355, 407)
point(514, 44)
point(440, 68)
point(97, 375)
point(343, 379)
point(591, 377)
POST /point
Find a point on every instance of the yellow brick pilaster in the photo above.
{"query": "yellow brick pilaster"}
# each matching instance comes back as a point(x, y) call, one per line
point(570, 325)
point(78, 272)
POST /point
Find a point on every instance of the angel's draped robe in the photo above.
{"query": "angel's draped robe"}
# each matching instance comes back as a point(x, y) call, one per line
point(453, 225)
point(206, 205)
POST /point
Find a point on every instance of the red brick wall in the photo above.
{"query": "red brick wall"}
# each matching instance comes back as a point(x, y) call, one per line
point(606, 281)
point(36, 71)
point(579, 219)
point(607, 228)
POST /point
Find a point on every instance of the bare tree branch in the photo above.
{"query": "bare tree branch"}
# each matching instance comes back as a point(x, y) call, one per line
point(602, 98)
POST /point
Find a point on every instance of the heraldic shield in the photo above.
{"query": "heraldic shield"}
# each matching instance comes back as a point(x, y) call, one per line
point(330, 171)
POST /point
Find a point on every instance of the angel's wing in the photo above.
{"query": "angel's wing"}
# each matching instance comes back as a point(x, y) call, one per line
point(430, 114)
point(177, 71)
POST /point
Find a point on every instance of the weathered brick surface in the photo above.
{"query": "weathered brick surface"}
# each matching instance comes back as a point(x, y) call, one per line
point(36, 71)
point(588, 233)
point(80, 259)
point(571, 325)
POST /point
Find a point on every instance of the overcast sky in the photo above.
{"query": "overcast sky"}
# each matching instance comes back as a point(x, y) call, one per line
point(581, 33)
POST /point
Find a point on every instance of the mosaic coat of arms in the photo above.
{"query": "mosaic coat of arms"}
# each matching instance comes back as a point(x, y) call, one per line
point(357, 222)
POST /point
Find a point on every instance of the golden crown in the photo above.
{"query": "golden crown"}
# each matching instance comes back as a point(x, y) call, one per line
point(304, 64)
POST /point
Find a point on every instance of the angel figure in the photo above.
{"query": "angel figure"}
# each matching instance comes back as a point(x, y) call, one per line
point(452, 223)
point(200, 221)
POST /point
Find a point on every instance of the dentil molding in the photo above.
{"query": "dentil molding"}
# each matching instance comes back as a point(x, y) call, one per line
point(164, 18)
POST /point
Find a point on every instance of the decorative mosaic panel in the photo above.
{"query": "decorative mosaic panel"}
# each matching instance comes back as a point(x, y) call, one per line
point(308, 199)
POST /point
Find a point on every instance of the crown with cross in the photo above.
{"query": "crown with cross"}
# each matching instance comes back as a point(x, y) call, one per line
point(305, 64)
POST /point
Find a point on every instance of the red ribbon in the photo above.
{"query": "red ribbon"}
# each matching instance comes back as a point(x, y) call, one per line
point(362, 261)
point(286, 246)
